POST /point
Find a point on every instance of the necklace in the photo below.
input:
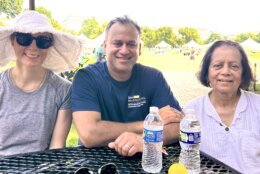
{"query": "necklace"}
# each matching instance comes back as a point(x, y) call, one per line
point(26, 90)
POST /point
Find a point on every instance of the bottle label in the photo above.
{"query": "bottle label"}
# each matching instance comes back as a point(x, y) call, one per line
point(153, 135)
point(190, 137)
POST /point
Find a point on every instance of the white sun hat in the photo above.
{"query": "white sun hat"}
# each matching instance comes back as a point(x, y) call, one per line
point(62, 56)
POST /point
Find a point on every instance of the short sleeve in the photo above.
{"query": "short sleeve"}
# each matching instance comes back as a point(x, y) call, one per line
point(84, 95)
point(66, 98)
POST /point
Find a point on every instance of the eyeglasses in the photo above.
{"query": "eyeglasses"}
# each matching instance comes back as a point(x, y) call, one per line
point(109, 168)
point(26, 39)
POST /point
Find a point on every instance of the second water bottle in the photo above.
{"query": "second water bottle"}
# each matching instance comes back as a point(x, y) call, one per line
point(190, 142)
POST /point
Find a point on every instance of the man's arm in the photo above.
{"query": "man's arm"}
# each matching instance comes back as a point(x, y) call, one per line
point(95, 132)
point(171, 133)
point(171, 118)
point(128, 143)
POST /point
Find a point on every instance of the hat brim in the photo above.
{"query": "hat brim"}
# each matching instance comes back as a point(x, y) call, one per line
point(62, 56)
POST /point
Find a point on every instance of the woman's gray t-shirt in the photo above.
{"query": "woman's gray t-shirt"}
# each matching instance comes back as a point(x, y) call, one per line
point(27, 119)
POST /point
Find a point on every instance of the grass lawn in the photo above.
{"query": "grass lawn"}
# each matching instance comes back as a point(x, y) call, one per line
point(72, 137)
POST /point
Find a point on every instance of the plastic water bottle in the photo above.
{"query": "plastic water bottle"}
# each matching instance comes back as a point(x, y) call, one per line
point(153, 141)
point(190, 142)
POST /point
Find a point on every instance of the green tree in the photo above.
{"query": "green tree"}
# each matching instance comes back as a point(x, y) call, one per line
point(54, 23)
point(148, 37)
point(91, 28)
point(188, 34)
point(11, 7)
point(174, 40)
point(213, 37)
point(257, 37)
point(244, 36)
point(164, 34)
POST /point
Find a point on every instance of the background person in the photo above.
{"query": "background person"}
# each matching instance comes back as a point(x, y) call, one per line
point(111, 99)
point(229, 115)
point(99, 54)
point(192, 54)
point(35, 102)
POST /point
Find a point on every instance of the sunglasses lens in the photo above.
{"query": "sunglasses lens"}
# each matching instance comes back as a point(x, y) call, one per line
point(24, 39)
point(83, 170)
point(108, 168)
point(44, 42)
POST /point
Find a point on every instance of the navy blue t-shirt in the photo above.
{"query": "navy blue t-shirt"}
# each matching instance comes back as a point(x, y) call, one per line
point(93, 89)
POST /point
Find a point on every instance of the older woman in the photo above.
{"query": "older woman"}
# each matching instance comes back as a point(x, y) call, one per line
point(229, 115)
point(35, 102)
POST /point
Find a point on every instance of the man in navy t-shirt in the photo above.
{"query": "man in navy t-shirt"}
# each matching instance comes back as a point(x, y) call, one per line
point(111, 99)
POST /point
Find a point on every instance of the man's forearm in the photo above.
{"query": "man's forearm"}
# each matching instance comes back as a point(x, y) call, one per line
point(171, 133)
point(106, 131)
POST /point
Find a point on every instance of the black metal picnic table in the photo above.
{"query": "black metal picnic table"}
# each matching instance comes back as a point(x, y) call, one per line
point(68, 160)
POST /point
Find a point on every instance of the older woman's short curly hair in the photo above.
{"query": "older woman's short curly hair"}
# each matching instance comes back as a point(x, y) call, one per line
point(247, 76)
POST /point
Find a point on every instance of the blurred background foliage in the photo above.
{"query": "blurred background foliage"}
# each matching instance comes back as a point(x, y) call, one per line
point(91, 28)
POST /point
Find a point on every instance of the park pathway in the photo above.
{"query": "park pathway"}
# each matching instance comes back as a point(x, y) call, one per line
point(185, 85)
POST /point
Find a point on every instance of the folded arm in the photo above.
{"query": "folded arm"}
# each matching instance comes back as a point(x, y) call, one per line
point(171, 118)
point(129, 143)
point(95, 132)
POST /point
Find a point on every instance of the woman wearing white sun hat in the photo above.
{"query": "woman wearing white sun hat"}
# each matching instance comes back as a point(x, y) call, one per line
point(35, 102)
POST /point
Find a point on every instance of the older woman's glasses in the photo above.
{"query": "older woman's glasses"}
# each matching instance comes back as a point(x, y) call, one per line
point(26, 39)
point(109, 168)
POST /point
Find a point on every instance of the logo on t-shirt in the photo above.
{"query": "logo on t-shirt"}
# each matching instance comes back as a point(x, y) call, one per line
point(136, 101)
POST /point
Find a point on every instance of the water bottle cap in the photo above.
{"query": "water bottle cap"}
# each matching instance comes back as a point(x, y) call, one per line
point(154, 109)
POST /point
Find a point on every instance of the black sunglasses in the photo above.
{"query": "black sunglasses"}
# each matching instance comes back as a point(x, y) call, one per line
point(109, 168)
point(26, 39)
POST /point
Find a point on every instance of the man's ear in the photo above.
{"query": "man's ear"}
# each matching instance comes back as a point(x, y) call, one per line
point(140, 49)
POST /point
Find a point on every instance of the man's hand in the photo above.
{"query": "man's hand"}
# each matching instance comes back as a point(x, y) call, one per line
point(127, 144)
point(170, 115)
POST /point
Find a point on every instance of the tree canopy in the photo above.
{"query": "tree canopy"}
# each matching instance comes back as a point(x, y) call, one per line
point(91, 28)
point(11, 7)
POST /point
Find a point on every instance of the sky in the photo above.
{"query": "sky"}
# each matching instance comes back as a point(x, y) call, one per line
point(222, 16)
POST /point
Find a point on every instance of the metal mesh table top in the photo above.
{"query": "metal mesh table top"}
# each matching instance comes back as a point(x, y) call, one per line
point(68, 160)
